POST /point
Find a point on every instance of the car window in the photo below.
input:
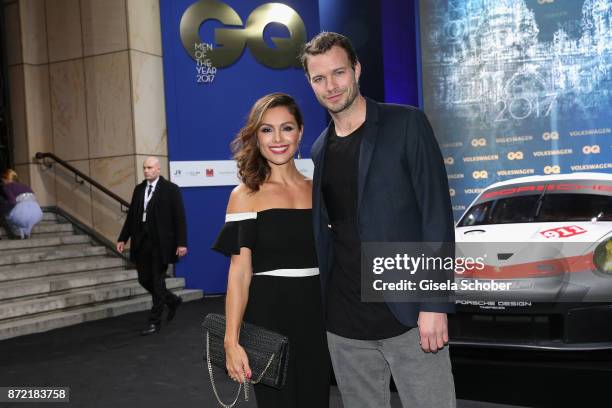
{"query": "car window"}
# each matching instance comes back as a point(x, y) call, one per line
point(476, 215)
point(513, 209)
point(503, 211)
point(575, 207)
point(529, 208)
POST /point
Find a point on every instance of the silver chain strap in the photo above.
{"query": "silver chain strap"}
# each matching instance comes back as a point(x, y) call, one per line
point(264, 370)
point(212, 380)
point(245, 380)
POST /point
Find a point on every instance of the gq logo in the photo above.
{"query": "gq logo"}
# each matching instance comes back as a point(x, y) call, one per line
point(482, 174)
point(550, 135)
point(591, 149)
point(479, 142)
point(233, 40)
point(449, 160)
point(515, 156)
point(552, 170)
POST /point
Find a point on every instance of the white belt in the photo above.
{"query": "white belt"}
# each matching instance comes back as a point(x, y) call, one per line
point(291, 273)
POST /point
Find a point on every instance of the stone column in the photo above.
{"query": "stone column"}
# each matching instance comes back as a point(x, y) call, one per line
point(86, 84)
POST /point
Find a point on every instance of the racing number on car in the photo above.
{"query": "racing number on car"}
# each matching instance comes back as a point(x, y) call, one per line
point(563, 232)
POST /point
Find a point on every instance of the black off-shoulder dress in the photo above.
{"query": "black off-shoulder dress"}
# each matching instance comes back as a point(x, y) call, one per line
point(284, 296)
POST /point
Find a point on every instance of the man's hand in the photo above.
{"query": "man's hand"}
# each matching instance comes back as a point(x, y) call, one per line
point(433, 329)
point(181, 251)
point(120, 246)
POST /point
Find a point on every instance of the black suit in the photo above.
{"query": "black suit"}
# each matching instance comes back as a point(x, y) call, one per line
point(154, 242)
point(402, 192)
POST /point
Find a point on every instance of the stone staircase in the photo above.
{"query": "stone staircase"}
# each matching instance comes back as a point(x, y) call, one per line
point(60, 277)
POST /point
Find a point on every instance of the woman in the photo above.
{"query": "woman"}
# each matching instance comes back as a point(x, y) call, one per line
point(22, 211)
point(273, 279)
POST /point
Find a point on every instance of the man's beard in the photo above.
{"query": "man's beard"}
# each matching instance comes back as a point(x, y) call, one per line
point(349, 101)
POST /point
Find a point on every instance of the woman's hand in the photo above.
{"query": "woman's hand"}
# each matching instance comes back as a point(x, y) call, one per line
point(237, 363)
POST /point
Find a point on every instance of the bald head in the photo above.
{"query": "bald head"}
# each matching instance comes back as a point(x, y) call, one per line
point(151, 168)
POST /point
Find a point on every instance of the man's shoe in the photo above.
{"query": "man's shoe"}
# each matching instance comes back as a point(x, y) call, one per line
point(151, 328)
point(172, 309)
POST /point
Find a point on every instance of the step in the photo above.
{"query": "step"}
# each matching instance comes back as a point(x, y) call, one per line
point(44, 241)
point(50, 284)
point(50, 268)
point(45, 229)
point(44, 254)
point(78, 297)
point(41, 235)
point(51, 248)
point(49, 216)
point(52, 222)
point(54, 320)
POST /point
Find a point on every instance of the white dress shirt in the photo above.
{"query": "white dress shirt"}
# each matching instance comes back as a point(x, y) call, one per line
point(148, 197)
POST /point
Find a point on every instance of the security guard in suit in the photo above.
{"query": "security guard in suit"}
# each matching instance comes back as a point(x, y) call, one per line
point(156, 226)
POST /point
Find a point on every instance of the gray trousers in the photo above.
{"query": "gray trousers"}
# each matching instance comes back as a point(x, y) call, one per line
point(363, 370)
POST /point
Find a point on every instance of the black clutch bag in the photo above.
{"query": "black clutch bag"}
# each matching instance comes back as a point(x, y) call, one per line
point(268, 353)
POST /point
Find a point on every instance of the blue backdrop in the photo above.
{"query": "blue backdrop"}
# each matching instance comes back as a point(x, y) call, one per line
point(400, 46)
point(203, 118)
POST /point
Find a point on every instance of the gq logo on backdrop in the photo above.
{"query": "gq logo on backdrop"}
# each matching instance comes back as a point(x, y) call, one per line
point(515, 155)
point(482, 174)
point(550, 135)
point(591, 149)
point(236, 35)
point(479, 142)
point(552, 170)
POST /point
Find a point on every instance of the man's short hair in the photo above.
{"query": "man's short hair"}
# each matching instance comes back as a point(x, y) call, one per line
point(322, 43)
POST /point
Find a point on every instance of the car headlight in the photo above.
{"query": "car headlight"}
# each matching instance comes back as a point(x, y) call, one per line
point(602, 257)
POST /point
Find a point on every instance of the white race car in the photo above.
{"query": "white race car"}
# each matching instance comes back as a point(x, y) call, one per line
point(544, 275)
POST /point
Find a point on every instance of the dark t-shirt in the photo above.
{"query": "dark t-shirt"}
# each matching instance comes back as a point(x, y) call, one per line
point(346, 315)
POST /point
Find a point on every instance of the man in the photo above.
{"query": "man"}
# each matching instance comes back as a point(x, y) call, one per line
point(379, 177)
point(156, 225)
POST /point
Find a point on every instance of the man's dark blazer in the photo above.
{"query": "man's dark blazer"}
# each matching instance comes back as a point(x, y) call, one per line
point(402, 191)
point(165, 219)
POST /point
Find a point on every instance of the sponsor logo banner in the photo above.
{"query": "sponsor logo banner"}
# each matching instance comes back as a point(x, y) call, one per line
point(217, 172)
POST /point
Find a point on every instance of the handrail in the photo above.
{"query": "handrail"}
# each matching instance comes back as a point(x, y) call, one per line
point(78, 174)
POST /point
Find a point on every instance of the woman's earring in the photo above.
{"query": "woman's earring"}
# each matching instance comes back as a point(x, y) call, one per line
point(299, 152)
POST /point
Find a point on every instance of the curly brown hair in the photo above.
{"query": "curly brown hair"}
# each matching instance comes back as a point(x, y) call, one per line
point(253, 168)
